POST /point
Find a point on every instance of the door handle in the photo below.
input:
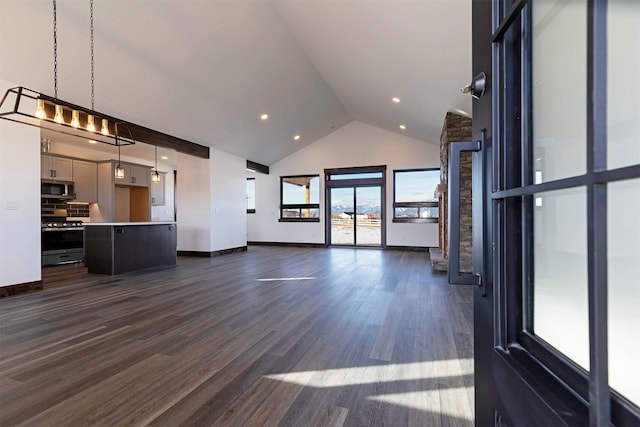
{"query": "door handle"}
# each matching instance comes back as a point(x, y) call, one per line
point(455, 278)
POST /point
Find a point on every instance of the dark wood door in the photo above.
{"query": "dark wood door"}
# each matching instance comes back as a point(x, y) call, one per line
point(543, 216)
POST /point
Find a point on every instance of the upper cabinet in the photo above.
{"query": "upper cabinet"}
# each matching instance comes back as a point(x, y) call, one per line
point(135, 175)
point(124, 199)
point(85, 177)
point(56, 168)
point(156, 190)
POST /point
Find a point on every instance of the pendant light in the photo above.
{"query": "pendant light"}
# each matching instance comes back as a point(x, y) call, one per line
point(40, 113)
point(105, 127)
point(155, 176)
point(91, 123)
point(75, 118)
point(58, 118)
point(119, 171)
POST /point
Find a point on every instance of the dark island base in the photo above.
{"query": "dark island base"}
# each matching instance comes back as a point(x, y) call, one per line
point(116, 249)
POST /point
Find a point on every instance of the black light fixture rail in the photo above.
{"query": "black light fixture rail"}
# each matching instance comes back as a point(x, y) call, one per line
point(22, 105)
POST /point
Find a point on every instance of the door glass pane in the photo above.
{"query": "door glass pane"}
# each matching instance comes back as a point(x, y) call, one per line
point(623, 91)
point(342, 213)
point(623, 222)
point(561, 312)
point(368, 216)
point(558, 88)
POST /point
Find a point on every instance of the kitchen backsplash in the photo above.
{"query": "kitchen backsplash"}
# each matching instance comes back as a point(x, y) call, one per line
point(78, 211)
point(73, 210)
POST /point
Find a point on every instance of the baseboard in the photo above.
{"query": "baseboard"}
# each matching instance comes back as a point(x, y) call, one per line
point(322, 245)
point(203, 254)
point(290, 244)
point(408, 248)
point(20, 288)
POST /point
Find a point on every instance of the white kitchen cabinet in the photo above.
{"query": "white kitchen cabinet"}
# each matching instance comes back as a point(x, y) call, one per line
point(124, 199)
point(157, 189)
point(85, 177)
point(135, 175)
point(56, 168)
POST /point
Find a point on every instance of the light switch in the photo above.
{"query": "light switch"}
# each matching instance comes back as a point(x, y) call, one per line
point(218, 210)
point(11, 205)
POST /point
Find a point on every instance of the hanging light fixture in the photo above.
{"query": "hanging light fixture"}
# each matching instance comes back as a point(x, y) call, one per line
point(119, 171)
point(22, 105)
point(33, 108)
point(155, 175)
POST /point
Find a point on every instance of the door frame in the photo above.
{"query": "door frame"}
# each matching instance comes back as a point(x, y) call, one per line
point(359, 182)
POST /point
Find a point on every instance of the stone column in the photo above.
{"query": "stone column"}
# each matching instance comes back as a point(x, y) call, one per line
point(456, 128)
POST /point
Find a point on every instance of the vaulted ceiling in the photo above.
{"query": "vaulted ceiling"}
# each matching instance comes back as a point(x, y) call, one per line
point(205, 71)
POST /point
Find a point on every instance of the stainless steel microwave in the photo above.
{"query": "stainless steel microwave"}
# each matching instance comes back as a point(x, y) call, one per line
point(57, 190)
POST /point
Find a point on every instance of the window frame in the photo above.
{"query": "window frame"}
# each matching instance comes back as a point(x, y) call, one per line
point(252, 211)
point(419, 205)
point(298, 206)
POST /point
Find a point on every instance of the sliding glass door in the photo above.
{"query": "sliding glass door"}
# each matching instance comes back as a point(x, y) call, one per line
point(355, 200)
point(356, 216)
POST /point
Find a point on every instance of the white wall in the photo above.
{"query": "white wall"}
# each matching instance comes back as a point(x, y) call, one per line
point(211, 202)
point(229, 221)
point(356, 144)
point(19, 201)
point(194, 206)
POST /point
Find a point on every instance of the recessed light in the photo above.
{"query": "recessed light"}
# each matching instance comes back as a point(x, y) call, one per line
point(164, 157)
point(93, 141)
point(264, 116)
point(403, 127)
point(296, 137)
point(396, 99)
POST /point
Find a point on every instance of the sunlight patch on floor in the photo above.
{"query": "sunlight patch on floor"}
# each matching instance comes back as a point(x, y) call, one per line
point(278, 279)
point(444, 401)
point(376, 373)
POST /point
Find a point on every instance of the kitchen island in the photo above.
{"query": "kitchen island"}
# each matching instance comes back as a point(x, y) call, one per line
point(121, 247)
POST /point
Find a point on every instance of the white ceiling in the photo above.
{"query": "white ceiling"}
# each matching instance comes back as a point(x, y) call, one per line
point(205, 70)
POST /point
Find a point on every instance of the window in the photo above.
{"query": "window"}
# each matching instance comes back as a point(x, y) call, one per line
point(413, 195)
point(300, 198)
point(251, 195)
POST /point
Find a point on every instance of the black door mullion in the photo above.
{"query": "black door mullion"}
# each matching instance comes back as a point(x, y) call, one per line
point(599, 396)
point(355, 217)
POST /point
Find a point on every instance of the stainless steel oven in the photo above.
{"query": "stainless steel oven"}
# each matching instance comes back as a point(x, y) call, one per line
point(62, 242)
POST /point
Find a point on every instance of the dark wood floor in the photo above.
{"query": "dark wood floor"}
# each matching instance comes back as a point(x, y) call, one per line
point(272, 336)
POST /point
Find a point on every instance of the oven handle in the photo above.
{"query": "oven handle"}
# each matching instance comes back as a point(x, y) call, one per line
point(64, 229)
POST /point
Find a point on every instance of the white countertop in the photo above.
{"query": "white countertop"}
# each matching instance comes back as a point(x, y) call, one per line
point(129, 223)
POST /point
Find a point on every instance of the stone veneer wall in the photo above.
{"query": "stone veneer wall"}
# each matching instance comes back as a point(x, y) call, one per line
point(456, 128)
